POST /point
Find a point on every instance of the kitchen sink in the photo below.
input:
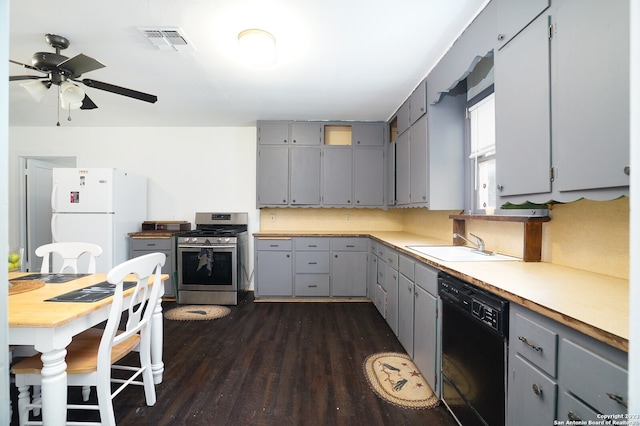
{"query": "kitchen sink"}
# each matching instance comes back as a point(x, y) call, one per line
point(460, 254)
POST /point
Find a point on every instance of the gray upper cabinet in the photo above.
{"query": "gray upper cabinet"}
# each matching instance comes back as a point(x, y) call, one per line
point(306, 134)
point(364, 134)
point(391, 174)
point(368, 177)
point(523, 127)
point(418, 162)
point(590, 96)
point(403, 177)
point(273, 133)
point(403, 117)
point(337, 171)
point(305, 176)
point(514, 15)
point(273, 176)
point(418, 102)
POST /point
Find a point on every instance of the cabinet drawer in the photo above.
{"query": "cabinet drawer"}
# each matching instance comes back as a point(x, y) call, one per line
point(312, 262)
point(151, 243)
point(534, 342)
point(282, 245)
point(571, 408)
point(427, 279)
point(373, 247)
point(381, 270)
point(391, 258)
point(532, 395)
point(595, 380)
point(312, 285)
point(407, 267)
point(349, 244)
point(380, 301)
point(312, 244)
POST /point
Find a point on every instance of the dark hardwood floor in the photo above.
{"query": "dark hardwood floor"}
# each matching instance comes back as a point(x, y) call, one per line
point(271, 364)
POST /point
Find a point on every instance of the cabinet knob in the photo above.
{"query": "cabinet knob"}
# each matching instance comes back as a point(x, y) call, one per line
point(500, 37)
point(336, 256)
point(627, 170)
point(537, 389)
point(416, 294)
point(284, 141)
point(573, 416)
point(294, 141)
point(293, 201)
point(284, 200)
point(617, 398)
point(499, 187)
point(288, 255)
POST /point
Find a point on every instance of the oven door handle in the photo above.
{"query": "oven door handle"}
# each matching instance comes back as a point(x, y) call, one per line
point(214, 248)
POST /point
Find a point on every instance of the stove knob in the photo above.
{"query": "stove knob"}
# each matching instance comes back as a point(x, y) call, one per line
point(194, 240)
point(185, 240)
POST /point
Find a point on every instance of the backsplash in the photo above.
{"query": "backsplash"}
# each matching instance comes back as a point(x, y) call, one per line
point(587, 235)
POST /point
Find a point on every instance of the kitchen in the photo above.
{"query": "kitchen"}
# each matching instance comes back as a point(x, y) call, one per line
point(563, 236)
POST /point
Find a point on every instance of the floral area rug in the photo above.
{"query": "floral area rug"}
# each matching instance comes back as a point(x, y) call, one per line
point(395, 378)
point(197, 312)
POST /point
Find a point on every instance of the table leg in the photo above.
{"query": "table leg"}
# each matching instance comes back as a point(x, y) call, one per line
point(54, 387)
point(157, 366)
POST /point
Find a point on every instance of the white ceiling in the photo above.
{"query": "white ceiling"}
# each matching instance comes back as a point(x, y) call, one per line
point(337, 59)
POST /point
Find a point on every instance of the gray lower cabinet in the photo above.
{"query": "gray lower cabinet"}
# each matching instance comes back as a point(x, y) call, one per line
point(406, 303)
point(391, 281)
point(312, 267)
point(381, 292)
point(557, 373)
point(372, 270)
point(426, 335)
point(349, 267)
point(274, 268)
point(142, 246)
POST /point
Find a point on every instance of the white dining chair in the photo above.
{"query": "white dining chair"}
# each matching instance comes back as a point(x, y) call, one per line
point(70, 253)
point(93, 354)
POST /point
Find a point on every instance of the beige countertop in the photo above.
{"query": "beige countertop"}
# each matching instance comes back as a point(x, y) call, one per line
point(595, 304)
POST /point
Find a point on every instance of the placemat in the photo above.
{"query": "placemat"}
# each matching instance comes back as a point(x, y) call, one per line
point(51, 278)
point(91, 293)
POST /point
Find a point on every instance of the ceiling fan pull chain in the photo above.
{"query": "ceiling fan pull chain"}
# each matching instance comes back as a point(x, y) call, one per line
point(58, 103)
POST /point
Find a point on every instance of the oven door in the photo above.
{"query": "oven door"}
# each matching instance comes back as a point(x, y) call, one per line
point(207, 268)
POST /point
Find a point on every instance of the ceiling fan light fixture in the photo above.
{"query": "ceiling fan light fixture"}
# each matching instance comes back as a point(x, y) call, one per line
point(257, 47)
point(71, 96)
point(37, 89)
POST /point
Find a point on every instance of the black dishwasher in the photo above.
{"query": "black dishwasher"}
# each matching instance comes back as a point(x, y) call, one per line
point(474, 352)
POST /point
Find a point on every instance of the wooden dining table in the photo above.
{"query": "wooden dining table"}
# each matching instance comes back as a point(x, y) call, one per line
point(49, 326)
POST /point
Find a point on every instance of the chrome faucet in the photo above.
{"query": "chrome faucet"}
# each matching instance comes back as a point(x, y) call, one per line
point(479, 244)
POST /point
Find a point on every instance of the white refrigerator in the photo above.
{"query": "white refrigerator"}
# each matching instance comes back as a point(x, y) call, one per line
point(100, 206)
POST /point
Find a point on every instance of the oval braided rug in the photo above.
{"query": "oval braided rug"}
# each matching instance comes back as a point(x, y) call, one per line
point(197, 312)
point(395, 378)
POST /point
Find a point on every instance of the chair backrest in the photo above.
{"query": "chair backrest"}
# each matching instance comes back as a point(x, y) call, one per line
point(70, 252)
point(140, 307)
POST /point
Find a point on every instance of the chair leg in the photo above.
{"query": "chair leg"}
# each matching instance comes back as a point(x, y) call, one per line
point(105, 402)
point(86, 392)
point(36, 396)
point(24, 399)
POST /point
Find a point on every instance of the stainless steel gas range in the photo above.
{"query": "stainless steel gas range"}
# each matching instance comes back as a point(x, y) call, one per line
point(212, 260)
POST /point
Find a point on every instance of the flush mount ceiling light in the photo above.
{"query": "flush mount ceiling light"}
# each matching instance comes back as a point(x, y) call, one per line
point(257, 47)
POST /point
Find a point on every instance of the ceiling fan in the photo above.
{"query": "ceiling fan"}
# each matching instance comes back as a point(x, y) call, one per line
point(61, 71)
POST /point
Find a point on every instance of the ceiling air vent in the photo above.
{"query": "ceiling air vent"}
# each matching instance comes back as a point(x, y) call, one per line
point(167, 38)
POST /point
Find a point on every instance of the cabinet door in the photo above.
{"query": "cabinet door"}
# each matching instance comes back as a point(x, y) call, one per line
point(403, 117)
point(523, 129)
point(305, 176)
point(532, 395)
point(273, 176)
point(337, 172)
point(306, 134)
point(403, 179)
point(368, 177)
point(168, 268)
point(274, 274)
point(391, 174)
point(367, 134)
point(273, 133)
point(425, 348)
point(405, 313)
point(514, 15)
point(590, 97)
point(391, 285)
point(418, 162)
point(349, 274)
point(372, 274)
point(418, 102)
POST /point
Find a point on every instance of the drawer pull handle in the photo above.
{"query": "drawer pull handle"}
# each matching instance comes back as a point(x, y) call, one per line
point(537, 389)
point(312, 245)
point(313, 263)
point(618, 399)
point(274, 245)
point(350, 246)
point(312, 286)
point(528, 343)
point(573, 416)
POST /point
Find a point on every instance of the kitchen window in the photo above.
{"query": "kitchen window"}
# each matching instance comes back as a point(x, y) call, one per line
point(481, 119)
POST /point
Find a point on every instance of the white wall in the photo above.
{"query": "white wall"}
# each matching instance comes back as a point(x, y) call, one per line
point(188, 169)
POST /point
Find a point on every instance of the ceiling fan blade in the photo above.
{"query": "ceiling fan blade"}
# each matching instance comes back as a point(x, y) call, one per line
point(25, 65)
point(24, 77)
point(80, 64)
point(119, 90)
point(88, 103)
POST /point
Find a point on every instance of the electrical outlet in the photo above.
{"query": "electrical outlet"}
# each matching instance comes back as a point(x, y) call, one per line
point(273, 218)
point(347, 217)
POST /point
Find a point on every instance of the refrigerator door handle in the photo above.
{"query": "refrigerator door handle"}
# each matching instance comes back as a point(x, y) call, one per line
point(54, 190)
point(53, 228)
